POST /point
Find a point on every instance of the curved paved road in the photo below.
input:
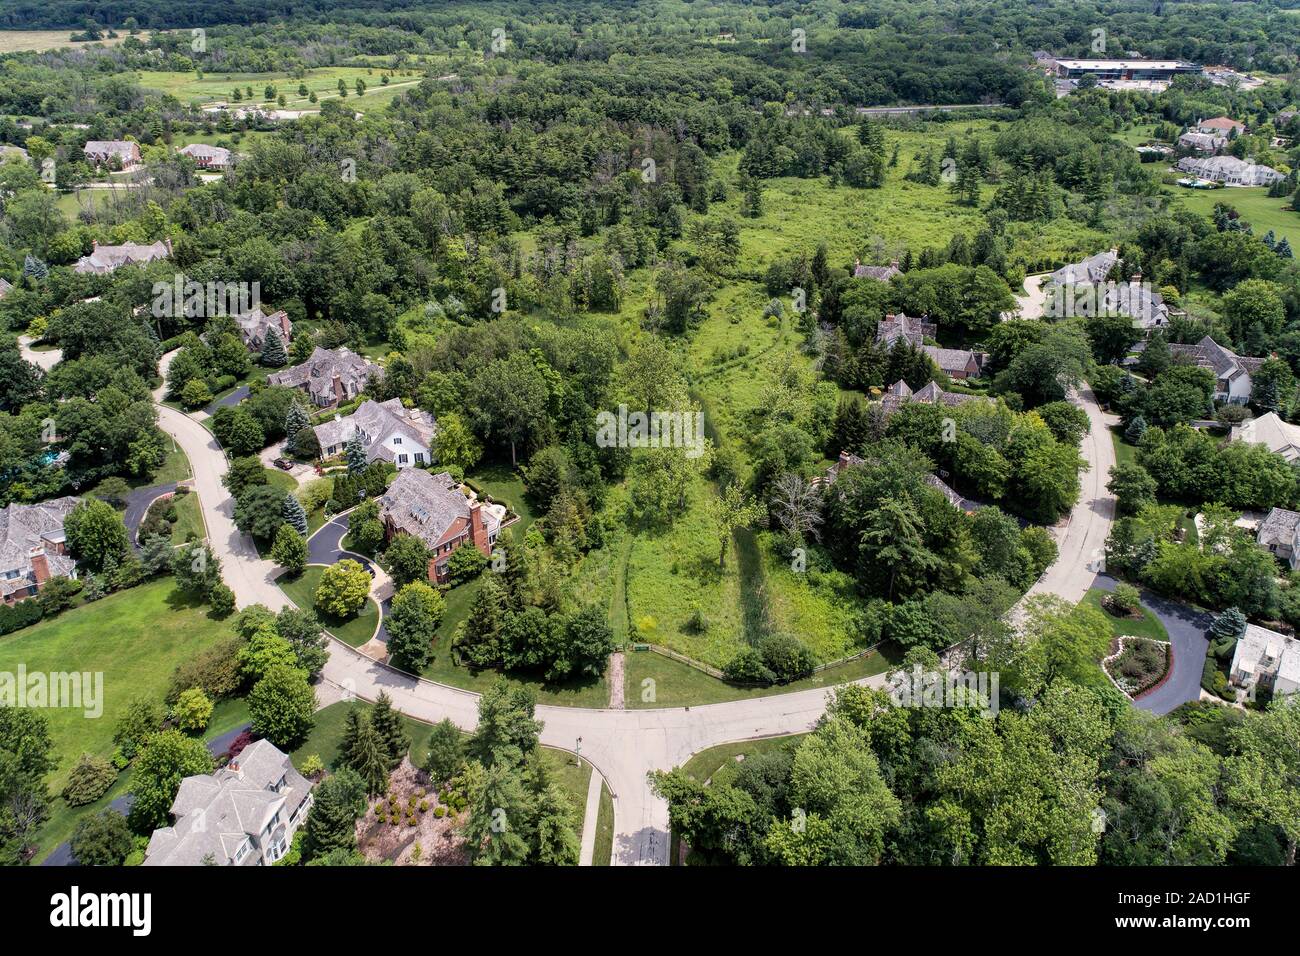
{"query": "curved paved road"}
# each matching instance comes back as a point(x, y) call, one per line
point(1188, 644)
point(624, 745)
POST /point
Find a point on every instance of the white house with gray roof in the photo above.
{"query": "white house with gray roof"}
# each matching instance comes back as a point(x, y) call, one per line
point(33, 547)
point(243, 815)
point(1230, 170)
point(1232, 372)
point(1279, 532)
point(388, 432)
point(1268, 658)
point(1279, 437)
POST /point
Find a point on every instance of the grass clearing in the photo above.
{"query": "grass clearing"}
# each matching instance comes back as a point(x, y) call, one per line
point(38, 41)
point(1148, 625)
point(135, 638)
point(603, 855)
point(675, 684)
point(705, 764)
point(1254, 203)
point(353, 631)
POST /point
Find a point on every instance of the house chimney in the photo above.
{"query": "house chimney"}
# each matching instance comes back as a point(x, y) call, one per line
point(477, 532)
point(40, 565)
point(842, 463)
point(893, 263)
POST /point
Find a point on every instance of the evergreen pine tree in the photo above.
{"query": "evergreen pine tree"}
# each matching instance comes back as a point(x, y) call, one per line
point(388, 728)
point(1283, 249)
point(273, 352)
point(352, 723)
point(296, 420)
point(1136, 429)
point(371, 760)
point(294, 514)
point(331, 822)
point(34, 268)
point(355, 454)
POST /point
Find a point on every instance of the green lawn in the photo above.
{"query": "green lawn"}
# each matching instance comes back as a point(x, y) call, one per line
point(1254, 204)
point(504, 487)
point(135, 638)
point(1125, 454)
point(323, 81)
point(705, 764)
point(175, 467)
point(604, 852)
point(189, 519)
point(353, 631)
point(280, 479)
point(1148, 626)
point(679, 685)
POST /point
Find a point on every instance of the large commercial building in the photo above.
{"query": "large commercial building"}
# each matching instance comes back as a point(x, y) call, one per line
point(1148, 70)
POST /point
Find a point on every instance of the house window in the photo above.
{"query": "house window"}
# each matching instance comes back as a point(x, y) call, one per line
point(419, 458)
point(397, 439)
point(401, 459)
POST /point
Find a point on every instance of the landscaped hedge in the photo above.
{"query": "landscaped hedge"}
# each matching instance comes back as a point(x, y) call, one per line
point(20, 615)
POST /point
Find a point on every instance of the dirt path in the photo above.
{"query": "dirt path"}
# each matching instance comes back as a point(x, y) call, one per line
point(615, 677)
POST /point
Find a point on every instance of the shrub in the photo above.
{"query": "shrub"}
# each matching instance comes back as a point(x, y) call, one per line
point(787, 657)
point(89, 780)
point(19, 615)
point(465, 564)
point(312, 766)
point(193, 710)
point(747, 667)
point(1124, 600)
point(216, 671)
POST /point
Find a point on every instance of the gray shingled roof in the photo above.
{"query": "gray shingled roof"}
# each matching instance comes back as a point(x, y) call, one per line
point(375, 422)
point(1278, 527)
point(26, 527)
point(901, 326)
point(214, 815)
point(318, 372)
point(427, 505)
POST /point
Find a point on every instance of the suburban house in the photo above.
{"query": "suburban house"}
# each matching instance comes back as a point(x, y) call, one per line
point(1220, 126)
point(33, 547)
point(1278, 532)
point(1267, 658)
point(388, 432)
point(1232, 372)
point(207, 157)
point(102, 152)
point(253, 326)
point(245, 814)
point(1202, 142)
point(105, 259)
point(899, 394)
point(1091, 271)
point(912, 331)
point(956, 363)
point(436, 510)
point(848, 459)
point(329, 377)
point(5, 287)
point(1230, 170)
point(1281, 438)
point(879, 273)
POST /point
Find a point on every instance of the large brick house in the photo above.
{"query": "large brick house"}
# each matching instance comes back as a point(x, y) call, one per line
point(436, 510)
point(33, 547)
point(253, 326)
point(103, 152)
point(329, 377)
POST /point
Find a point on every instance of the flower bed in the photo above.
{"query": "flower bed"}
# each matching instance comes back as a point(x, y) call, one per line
point(1138, 665)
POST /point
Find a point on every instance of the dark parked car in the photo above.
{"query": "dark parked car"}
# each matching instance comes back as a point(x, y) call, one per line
point(283, 463)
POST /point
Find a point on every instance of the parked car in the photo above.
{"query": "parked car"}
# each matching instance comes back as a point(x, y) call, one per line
point(283, 463)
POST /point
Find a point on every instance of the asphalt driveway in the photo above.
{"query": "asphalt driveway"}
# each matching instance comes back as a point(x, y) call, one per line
point(137, 506)
point(1186, 627)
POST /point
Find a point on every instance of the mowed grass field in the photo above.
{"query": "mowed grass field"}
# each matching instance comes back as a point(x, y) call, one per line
point(323, 81)
point(1254, 204)
point(135, 638)
point(37, 41)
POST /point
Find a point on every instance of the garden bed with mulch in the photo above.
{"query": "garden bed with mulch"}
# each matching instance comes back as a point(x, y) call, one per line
point(1137, 664)
point(410, 825)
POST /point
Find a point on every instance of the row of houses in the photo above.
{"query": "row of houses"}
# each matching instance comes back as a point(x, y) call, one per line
point(125, 154)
